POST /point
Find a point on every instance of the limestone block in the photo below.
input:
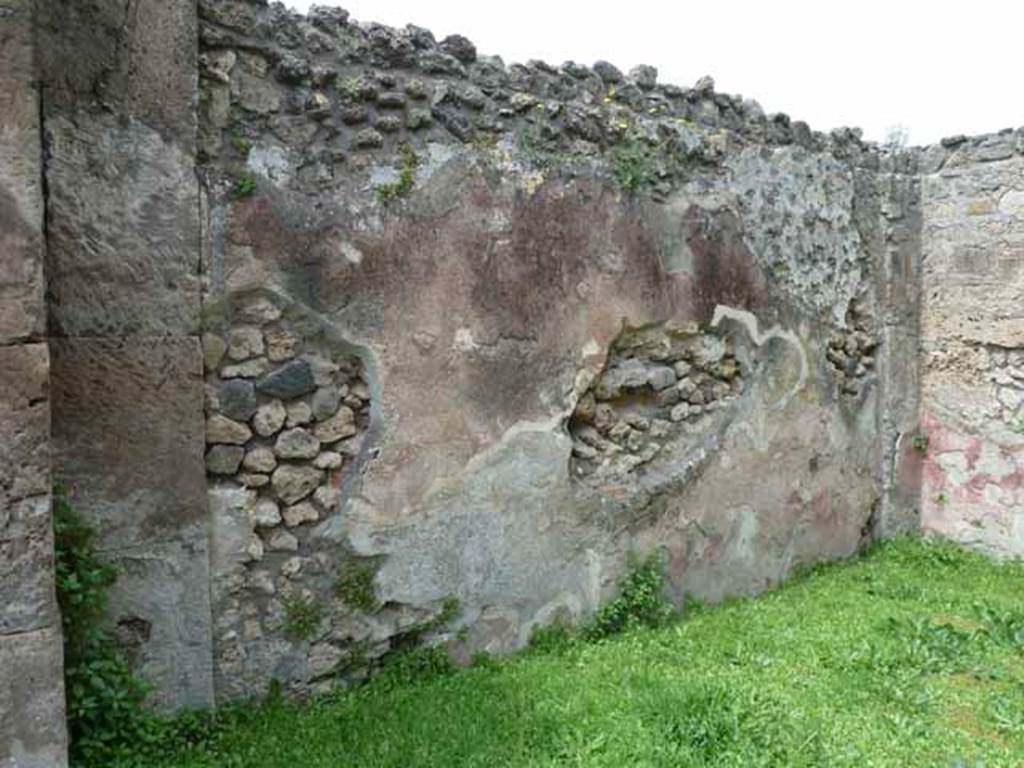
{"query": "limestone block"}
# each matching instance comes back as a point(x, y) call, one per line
point(129, 55)
point(137, 197)
point(32, 731)
point(160, 608)
point(22, 311)
point(128, 434)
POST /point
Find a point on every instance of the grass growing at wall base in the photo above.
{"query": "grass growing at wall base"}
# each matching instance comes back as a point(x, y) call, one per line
point(910, 656)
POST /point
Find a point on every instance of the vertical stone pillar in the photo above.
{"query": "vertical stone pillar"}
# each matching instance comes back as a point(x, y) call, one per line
point(32, 733)
point(122, 275)
point(897, 271)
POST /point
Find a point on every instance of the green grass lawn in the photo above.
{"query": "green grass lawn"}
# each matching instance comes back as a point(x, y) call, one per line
point(909, 656)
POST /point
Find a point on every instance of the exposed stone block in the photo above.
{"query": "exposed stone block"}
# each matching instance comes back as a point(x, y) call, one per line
point(128, 434)
point(32, 731)
point(123, 237)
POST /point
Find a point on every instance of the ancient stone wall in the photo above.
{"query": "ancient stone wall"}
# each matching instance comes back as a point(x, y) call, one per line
point(589, 317)
point(31, 657)
point(972, 379)
point(361, 339)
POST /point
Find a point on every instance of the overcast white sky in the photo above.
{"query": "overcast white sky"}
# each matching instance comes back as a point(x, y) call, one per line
point(937, 68)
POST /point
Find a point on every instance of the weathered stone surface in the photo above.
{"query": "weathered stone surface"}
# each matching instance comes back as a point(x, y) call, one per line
point(340, 425)
point(32, 731)
point(224, 459)
point(282, 541)
point(269, 418)
point(245, 342)
point(250, 369)
point(265, 513)
point(164, 588)
point(237, 399)
point(300, 513)
point(137, 271)
point(299, 413)
point(290, 380)
point(22, 309)
point(24, 423)
point(214, 348)
point(971, 451)
point(296, 443)
point(294, 482)
point(260, 459)
point(282, 345)
point(142, 479)
point(221, 429)
point(326, 401)
point(327, 460)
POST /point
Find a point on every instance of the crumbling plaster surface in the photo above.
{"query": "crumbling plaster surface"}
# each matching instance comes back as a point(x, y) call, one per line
point(487, 301)
point(348, 318)
point(972, 381)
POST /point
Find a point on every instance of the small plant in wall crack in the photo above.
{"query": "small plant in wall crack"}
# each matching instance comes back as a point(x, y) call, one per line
point(302, 617)
point(242, 146)
point(355, 586)
point(633, 165)
point(921, 443)
point(245, 186)
point(408, 162)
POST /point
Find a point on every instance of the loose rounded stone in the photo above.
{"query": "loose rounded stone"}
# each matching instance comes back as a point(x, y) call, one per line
point(296, 443)
point(253, 479)
point(608, 72)
point(291, 567)
point(258, 310)
point(679, 412)
point(360, 389)
point(417, 119)
point(282, 345)
point(325, 402)
point(260, 459)
point(265, 514)
point(282, 541)
point(299, 413)
point(269, 418)
point(391, 100)
point(221, 429)
point(292, 482)
point(328, 460)
point(388, 124)
point(460, 47)
point(368, 139)
point(354, 114)
point(237, 399)
point(324, 371)
point(245, 342)
point(291, 380)
point(214, 348)
point(339, 426)
point(327, 497)
point(300, 513)
point(416, 89)
point(262, 582)
point(224, 459)
point(250, 369)
point(644, 76)
point(255, 549)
